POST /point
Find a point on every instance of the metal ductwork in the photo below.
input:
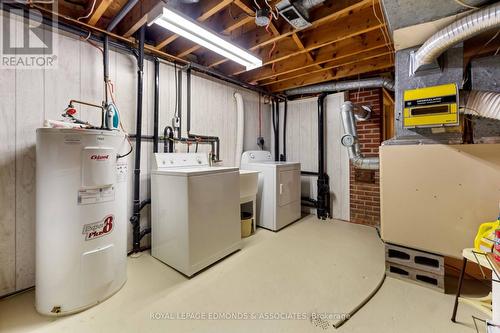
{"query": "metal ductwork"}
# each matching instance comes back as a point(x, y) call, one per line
point(309, 4)
point(483, 104)
point(378, 82)
point(463, 29)
point(349, 114)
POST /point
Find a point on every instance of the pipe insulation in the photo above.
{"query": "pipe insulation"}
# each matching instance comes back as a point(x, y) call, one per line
point(483, 104)
point(350, 139)
point(378, 82)
point(240, 127)
point(463, 29)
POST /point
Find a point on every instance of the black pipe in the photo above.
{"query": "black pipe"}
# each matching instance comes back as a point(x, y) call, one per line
point(156, 110)
point(168, 143)
point(144, 203)
point(136, 218)
point(309, 173)
point(275, 118)
point(105, 61)
point(188, 100)
point(121, 14)
point(285, 112)
point(321, 134)
point(179, 103)
point(323, 183)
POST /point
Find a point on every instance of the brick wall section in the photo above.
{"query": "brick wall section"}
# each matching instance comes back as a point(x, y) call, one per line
point(365, 197)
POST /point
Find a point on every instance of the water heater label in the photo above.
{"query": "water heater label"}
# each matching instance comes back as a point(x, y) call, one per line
point(96, 195)
point(98, 229)
point(121, 172)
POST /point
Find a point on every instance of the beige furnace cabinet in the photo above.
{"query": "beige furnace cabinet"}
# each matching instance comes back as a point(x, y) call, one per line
point(434, 197)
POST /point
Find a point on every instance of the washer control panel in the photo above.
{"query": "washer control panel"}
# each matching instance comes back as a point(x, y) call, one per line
point(177, 160)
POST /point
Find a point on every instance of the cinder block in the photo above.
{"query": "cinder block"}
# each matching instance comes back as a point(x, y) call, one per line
point(420, 260)
point(423, 278)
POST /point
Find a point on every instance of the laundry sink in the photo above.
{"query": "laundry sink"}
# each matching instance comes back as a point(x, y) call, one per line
point(249, 181)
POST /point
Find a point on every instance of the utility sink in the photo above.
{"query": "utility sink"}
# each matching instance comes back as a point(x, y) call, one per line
point(249, 181)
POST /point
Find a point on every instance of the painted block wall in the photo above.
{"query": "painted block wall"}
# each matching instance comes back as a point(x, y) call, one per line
point(27, 97)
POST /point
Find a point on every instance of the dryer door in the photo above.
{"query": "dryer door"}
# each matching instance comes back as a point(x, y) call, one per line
point(288, 186)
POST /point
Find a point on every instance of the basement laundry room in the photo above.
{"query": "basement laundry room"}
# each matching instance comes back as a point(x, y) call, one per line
point(250, 166)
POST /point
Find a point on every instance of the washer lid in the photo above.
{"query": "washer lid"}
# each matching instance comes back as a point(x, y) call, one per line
point(272, 164)
point(193, 171)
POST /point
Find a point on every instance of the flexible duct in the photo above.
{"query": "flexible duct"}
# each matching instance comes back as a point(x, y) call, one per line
point(378, 82)
point(309, 4)
point(483, 104)
point(240, 126)
point(350, 139)
point(465, 28)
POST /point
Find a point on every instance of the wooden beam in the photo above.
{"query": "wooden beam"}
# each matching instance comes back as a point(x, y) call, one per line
point(357, 23)
point(301, 46)
point(366, 66)
point(376, 53)
point(259, 38)
point(344, 48)
point(210, 8)
point(99, 11)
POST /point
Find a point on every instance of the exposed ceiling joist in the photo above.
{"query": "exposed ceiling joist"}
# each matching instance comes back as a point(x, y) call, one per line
point(384, 62)
point(359, 22)
point(260, 38)
point(376, 53)
point(99, 11)
point(338, 50)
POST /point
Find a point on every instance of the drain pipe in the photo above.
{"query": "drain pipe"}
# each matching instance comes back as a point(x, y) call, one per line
point(136, 217)
point(156, 105)
point(459, 31)
point(240, 127)
point(276, 126)
point(285, 114)
point(323, 183)
point(330, 87)
point(349, 114)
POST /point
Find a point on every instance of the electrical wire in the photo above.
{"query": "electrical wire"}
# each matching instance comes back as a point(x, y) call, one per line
point(90, 13)
point(384, 31)
point(273, 14)
point(463, 4)
point(256, 4)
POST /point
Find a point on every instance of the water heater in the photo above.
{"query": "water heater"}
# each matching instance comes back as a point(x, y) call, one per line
point(81, 218)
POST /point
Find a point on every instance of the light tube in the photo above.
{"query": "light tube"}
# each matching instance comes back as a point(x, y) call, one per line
point(184, 27)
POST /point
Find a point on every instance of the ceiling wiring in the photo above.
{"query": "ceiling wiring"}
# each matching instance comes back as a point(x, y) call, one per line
point(90, 12)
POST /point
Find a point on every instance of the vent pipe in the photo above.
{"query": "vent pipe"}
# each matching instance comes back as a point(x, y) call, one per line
point(463, 29)
point(349, 114)
point(378, 82)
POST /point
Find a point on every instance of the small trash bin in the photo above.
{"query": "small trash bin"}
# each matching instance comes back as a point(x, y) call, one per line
point(246, 224)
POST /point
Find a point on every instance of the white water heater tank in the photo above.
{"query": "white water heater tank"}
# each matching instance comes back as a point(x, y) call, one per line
point(81, 218)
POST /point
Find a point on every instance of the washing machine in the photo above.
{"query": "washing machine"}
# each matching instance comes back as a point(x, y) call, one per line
point(195, 211)
point(278, 196)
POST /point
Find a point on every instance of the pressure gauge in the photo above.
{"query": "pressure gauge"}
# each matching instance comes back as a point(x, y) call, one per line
point(347, 140)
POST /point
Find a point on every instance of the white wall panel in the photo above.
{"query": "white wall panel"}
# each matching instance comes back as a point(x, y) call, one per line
point(302, 146)
point(30, 96)
point(7, 181)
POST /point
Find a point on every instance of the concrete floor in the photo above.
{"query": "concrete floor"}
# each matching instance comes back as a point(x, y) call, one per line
point(309, 267)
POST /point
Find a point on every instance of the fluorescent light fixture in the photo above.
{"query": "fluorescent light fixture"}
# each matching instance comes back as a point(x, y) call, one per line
point(186, 28)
